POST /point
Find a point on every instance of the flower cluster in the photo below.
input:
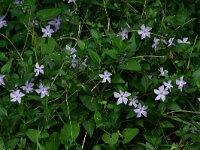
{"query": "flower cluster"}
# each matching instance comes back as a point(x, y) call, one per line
point(16, 95)
point(122, 97)
point(164, 89)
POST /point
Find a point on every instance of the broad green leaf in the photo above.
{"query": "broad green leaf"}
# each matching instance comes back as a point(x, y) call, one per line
point(3, 43)
point(94, 56)
point(112, 53)
point(33, 135)
point(110, 139)
point(1, 143)
point(131, 65)
point(3, 57)
point(81, 44)
point(94, 34)
point(89, 126)
point(69, 132)
point(53, 141)
point(6, 68)
point(117, 79)
point(129, 134)
point(47, 14)
point(47, 48)
point(89, 102)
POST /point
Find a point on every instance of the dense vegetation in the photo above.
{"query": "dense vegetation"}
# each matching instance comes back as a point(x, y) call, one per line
point(99, 74)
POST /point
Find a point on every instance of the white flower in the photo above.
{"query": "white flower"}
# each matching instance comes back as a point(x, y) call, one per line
point(2, 22)
point(2, 79)
point(170, 42)
point(199, 99)
point(161, 93)
point(155, 44)
point(184, 41)
point(43, 90)
point(144, 32)
point(122, 97)
point(47, 31)
point(180, 83)
point(38, 69)
point(162, 72)
point(16, 96)
point(141, 110)
point(71, 1)
point(124, 34)
point(133, 101)
point(105, 76)
point(168, 85)
point(28, 87)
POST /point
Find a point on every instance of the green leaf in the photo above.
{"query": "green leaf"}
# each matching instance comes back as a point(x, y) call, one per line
point(1, 143)
point(81, 44)
point(33, 135)
point(89, 126)
point(47, 48)
point(94, 56)
point(89, 102)
point(47, 14)
point(3, 111)
point(129, 134)
point(112, 53)
point(97, 118)
point(94, 34)
point(110, 139)
point(53, 142)
point(6, 68)
point(131, 65)
point(117, 79)
point(69, 132)
point(166, 124)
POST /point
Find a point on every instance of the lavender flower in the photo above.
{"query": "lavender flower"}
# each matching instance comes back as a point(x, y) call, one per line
point(38, 69)
point(105, 76)
point(124, 34)
point(71, 1)
point(141, 110)
point(2, 79)
point(133, 101)
point(47, 31)
point(168, 85)
point(43, 90)
point(170, 42)
point(122, 97)
point(180, 83)
point(161, 93)
point(144, 32)
point(3, 22)
point(28, 87)
point(72, 50)
point(155, 43)
point(56, 23)
point(16, 96)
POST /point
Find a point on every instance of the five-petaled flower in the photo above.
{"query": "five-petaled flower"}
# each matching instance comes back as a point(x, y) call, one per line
point(144, 32)
point(47, 31)
point(38, 69)
point(2, 22)
point(133, 101)
point(28, 87)
point(105, 76)
point(43, 90)
point(168, 85)
point(141, 110)
point(56, 23)
point(161, 93)
point(122, 97)
point(123, 34)
point(180, 83)
point(2, 79)
point(162, 71)
point(16, 96)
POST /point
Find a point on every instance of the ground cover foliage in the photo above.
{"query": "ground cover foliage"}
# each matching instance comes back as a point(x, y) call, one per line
point(99, 74)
